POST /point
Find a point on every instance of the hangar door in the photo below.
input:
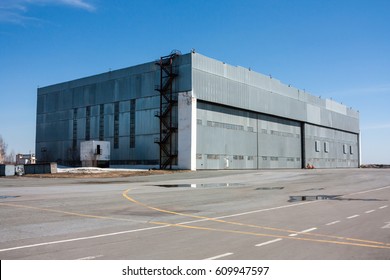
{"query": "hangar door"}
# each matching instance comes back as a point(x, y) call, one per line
point(279, 143)
point(231, 138)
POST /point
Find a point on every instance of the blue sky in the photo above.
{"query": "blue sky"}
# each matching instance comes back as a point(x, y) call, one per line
point(336, 49)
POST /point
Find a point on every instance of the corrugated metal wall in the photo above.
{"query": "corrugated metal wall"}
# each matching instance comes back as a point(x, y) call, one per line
point(220, 83)
point(244, 119)
point(238, 139)
point(226, 138)
point(62, 120)
point(326, 148)
point(231, 138)
point(259, 121)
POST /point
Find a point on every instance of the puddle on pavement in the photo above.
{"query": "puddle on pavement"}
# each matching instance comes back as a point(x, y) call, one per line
point(311, 197)
point(329, 197)
point(200, 186)
point(8, 196)
point(269, 188)
point(314, 189)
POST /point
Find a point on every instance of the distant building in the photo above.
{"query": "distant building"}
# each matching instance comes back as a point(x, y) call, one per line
point(193, 112)
point(25, 159)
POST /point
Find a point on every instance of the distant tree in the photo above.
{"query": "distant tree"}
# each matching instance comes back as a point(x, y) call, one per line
point(11, 157)
point(3, 150)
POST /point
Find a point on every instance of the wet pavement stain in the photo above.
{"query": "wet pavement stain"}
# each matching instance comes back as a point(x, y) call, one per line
point(199, 186)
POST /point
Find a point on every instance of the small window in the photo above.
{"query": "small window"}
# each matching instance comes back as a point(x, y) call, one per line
point(317, 146)
point(98, 150)
point(351, 150)
point(211, 156)
point(326, 147)
point(345, 149)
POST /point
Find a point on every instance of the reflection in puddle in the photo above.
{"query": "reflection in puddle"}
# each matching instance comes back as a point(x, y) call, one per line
point(329, 197)
point(269, 188)
point(199, 186)
point(312, 197)
point(8, 196)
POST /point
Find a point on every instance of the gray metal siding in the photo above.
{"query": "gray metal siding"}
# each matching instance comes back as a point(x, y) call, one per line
point(56, 104)
point(238, 139)
point(335, 140)
point(279, 143)
point(217, 82)
point(244, 119)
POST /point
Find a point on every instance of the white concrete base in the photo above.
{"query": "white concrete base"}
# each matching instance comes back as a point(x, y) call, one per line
point(187, 131)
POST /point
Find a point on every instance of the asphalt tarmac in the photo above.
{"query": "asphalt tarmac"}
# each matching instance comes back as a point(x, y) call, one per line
point(338, 214)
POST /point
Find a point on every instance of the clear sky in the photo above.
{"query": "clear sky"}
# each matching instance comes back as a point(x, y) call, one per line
point(336, 49)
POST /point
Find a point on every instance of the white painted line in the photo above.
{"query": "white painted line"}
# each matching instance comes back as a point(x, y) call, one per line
point(246, 213)
point(268, 242)
point(383, 207)
point(91, 257)
point(308, 230)
point(151, 228)
point(369, 211)
point(352, 217)
point(374, 190)
point(332, 223)
point(387, 226)
point(303, 231)
point(219, 256)
point(81, 238)
point(278, 207)
point(190, 222)
point(264, 210)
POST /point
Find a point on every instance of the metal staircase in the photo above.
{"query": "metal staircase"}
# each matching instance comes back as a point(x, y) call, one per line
point(168, 112)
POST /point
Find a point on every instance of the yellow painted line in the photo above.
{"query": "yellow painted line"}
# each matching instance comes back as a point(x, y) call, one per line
point(66, 212)
point(272, 235)
point(381, 244)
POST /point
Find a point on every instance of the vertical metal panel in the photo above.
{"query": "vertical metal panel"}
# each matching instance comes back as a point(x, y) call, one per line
point(217, 82)
point(124, 120)
point(233, 138)
point(124, 106)
point(279, 143)
point(94, 130)
point(335, 141)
